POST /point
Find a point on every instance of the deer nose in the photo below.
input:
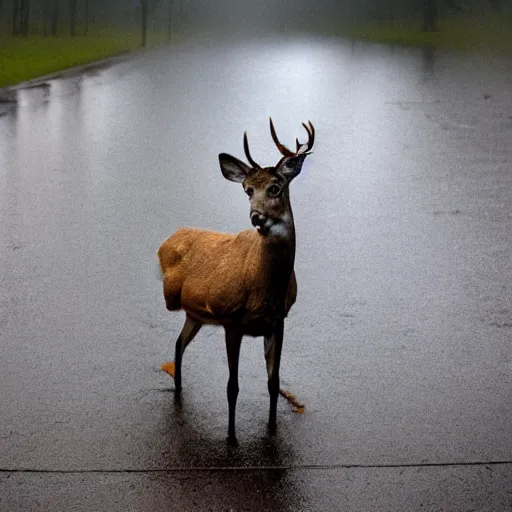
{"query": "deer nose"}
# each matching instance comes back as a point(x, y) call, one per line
point(258, 219)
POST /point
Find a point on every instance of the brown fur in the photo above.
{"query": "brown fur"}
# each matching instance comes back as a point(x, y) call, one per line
point(223, 279)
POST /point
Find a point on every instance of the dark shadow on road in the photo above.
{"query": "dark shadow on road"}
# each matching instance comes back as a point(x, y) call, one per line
point(196, 451)
point(244, 475)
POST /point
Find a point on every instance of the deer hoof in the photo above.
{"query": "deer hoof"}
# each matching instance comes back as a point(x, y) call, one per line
point(272, 427)
point(232, 440)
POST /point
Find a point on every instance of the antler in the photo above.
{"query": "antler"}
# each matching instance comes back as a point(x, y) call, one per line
point(304, 148)
point(301, 148)
point(248, 154)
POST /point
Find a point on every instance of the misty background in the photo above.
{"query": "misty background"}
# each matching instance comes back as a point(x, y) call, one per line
point(230, 16)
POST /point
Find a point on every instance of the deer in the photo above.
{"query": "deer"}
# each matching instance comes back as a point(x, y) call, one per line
point(243, 282)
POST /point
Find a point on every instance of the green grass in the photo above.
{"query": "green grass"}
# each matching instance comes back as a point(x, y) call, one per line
point(24, 58)
point(489, 34)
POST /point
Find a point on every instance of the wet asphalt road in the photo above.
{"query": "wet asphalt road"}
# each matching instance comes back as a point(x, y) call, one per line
point(399, 344)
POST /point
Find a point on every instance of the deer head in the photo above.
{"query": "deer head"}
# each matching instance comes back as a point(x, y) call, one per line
point(268, 187)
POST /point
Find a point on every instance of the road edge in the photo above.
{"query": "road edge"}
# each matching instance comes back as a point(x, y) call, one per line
point(8, 94)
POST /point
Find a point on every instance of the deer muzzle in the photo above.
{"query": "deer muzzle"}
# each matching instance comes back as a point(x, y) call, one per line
point(258, 220)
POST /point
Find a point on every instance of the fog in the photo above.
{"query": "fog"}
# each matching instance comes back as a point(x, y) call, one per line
point(244, 16)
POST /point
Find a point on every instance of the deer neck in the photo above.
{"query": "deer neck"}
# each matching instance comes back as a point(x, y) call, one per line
point(277, 256)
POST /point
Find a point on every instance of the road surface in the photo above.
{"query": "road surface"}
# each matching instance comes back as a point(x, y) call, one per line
point(399, 344)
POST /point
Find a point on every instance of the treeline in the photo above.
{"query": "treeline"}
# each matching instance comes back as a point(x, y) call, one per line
point(52, 17)
point(27, 14)
point(48, 12)
point(427, 9)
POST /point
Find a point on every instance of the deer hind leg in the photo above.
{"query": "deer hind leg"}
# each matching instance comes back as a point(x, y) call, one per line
point(187, 334)
point(233, 342)
point(273, 347)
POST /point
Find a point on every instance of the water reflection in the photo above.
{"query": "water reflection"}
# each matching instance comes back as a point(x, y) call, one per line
point(429, 57)
point(34, 95)
point(253, 472)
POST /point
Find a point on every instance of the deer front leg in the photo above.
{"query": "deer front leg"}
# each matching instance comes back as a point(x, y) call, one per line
point(187, 334)
point(273, 347)
point(233, 342)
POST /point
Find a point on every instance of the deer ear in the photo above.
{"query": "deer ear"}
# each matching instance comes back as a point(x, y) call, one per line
point(232, 168)
point(291, 167)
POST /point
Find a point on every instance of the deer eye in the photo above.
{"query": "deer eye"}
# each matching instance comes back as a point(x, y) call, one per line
point(249, 191)
point(273, 191)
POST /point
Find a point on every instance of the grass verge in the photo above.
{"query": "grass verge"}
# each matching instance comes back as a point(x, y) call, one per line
point(24, 58)
point(490, 34)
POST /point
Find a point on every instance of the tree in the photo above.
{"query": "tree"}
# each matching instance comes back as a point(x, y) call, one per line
point(20, 17)
point(45, 18)
point(25, 17)
point(55, 17)
point(144, 20)
point(72, 17)
point(86, 16)
point(453, 5)
point(169, 18)
point(430, 15)
point(15, 16)
point(391, 13)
